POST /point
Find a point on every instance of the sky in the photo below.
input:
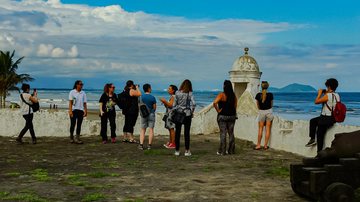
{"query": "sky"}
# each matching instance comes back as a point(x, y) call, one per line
point(163, 42)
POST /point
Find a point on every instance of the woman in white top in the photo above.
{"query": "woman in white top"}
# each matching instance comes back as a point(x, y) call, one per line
point(25, 101)
point(319, 125)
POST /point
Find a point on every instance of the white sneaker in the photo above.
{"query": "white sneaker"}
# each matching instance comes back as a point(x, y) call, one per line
point(188, 153)
point(177, 153)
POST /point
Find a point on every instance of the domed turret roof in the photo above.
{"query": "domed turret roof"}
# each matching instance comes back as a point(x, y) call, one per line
point(245, 63)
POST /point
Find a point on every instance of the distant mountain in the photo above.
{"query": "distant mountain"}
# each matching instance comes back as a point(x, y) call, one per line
point(295, 87)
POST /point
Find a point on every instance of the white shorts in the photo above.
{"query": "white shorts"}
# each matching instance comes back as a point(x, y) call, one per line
point(265, 115)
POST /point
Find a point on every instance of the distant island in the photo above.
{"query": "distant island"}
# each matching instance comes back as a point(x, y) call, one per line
point(295, 87)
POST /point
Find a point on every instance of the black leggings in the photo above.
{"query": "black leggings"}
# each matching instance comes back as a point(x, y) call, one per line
point(78, 116)
point(319, 126)
point(187, 125)
point(130, 121)
point(104, 119)
point(28, 126)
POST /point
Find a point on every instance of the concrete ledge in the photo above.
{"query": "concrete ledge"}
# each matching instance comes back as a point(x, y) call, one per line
point(290, 136)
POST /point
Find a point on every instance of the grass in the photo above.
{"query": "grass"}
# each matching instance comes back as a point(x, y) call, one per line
point(279, 171)
point(156, 152)
point(13, 174)
point(93, 197)
point(11, 160)
point(40, 175)
point(3, 194)
point(78, 179)
point(112, 164)
point(29, 197)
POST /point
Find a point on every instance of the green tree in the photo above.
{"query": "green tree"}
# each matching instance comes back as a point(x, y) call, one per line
point(8, 76)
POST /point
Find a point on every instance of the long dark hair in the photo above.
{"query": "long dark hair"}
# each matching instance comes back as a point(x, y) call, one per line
point(76, 83)
point(106, 87)
point(25, 87)
point(229, 92)
point(186, 86)
point(129, 85)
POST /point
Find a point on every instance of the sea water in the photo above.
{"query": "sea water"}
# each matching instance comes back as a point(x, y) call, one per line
point(290, 106)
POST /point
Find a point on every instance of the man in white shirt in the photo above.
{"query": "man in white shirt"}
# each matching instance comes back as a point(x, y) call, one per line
point(77, 110)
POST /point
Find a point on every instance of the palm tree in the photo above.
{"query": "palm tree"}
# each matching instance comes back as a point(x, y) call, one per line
point(8, 76)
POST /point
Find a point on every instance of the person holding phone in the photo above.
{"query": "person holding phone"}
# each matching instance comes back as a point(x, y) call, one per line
point(77, 110)
point(27, 112)
point(319, 125)
point(131, 110)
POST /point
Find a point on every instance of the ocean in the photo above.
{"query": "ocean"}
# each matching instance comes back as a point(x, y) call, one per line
point(291, 106)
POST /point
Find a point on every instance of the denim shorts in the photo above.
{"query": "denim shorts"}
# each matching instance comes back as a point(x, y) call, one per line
point(148, 122)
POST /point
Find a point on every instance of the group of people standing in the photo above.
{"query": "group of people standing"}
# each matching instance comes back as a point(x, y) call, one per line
point(180, 103)
point(129, 100)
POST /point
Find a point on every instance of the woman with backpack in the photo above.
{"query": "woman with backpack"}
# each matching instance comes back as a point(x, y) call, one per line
point(26, 100)
point(319, 125)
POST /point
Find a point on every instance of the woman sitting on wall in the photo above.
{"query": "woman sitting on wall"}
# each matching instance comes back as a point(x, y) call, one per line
point(319, 125)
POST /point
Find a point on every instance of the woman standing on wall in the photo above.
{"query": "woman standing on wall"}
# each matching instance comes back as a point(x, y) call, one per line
point(184, 106)
point(107, 101)
point(264, 103)
point(77, 110)
point(130, 110)
point(26, 100)
point(225, 104)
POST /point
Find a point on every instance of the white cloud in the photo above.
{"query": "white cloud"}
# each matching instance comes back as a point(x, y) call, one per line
point(48, 50)
point(73, 52)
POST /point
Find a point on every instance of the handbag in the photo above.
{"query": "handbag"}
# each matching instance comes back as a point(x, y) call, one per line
point(165, 117)
point(179, 116)
point(35, 106)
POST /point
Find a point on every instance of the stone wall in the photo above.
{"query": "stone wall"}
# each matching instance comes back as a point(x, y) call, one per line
point(286, 135)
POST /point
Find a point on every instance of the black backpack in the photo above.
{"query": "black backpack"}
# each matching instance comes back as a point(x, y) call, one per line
point(122, 100)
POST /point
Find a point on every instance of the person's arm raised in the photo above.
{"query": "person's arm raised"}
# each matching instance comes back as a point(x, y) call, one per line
point(319, 99)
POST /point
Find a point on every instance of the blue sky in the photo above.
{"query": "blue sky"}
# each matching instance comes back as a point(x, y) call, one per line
point(163, 42)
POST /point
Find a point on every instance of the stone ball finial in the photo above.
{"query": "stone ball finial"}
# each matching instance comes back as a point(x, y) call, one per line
point(246, 49)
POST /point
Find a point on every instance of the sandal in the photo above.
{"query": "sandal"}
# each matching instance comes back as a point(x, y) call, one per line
point(266, 148)
point(257, 148)
point(133, 141)
point(125, 140)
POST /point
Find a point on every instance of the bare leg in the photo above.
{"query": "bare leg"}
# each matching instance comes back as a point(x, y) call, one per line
point(151, 135)
point(142, 135)
point(125, 137)
point(172, 135)
point(261, 128)
point(268, 131)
